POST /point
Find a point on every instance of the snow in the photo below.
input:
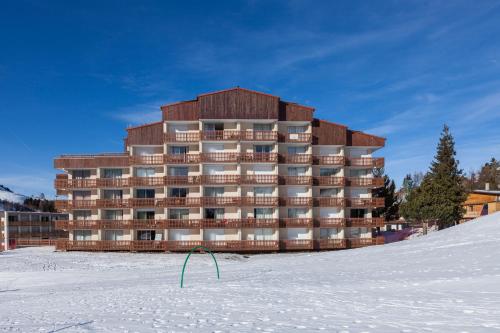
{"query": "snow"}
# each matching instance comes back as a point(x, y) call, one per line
point(7, 195)
point(447, 281)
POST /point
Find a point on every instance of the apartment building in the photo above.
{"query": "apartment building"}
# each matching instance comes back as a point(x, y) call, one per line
point(18, 229)
point(235, 170)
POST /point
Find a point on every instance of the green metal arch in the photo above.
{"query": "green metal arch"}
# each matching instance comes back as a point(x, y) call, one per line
point(189, 255)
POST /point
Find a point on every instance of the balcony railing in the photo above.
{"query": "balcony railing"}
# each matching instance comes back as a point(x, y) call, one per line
point(296, 201)
point(113, 182)
point(259, 158)
point(329, 160)
point(259, 179)
point(296, 244)
point(182, 158)
point(295, 158)
point(219, 157)
point(146, 181)
point(329, 181)
point(259, 223)
point(259, 245)
point(366, 182)
point(361, 242)
point(365, 202)
point(146, 202)
point(182, 245)
point(225, 135)
point(221, 223)
point(295, 137)
point(365, 222)
point(91, 183)
point(330, 222)
point(182, 201)
point(296, 223)
point(259, 135)
point(329, 202)
point(182, 137)
point(369, 162)
point(259, 201)
point(148, 245)
point(330, 244)
point(220, 201)
point(91, 161)
point(182, 224)
point(182, 180)
point(295, 180)
point(147, 159)
point(220, 179)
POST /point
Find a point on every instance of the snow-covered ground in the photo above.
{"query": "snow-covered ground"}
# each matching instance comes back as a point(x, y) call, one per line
point(448, 281)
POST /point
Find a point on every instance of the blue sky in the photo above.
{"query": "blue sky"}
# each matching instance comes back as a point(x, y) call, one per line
point(74, 74)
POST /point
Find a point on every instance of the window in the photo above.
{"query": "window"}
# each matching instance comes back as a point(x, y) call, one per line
point(263, 234)
point(214, 213)
point(328, 233)
point(81, 174)
point(262, 127)
point(113, 194)
point(178, 192)
point(355, 232)
point(179, 214)
point(178, 171)
point(263, 148)
point(358, 213)
point(263, 213)
point(146, 215)
point(111, 173)
point(297, 129)
point(297, 171)
point(179, 150)
point(81, 235)
point(81, 195)
point(328, 171)
point(82, 214)
point(358, 173)
point(113, 214)
point(146, 234)
point(12, 218)
point(214, 191)
point(297, 150)
point(213, 126)
point(113, 235)
point(297, 212)
point(328, 192)
point(144, 193)
point(263, 191)
point(145, 172)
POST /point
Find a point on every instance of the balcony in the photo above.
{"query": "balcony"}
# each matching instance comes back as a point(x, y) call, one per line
point(259, 158)
point(296, 201)
point(260, 201)
point(259, 136)
point(91, 245)
point(112, 182)
point(223, 245)
point(147, 159)
point(61, 183)
point(219, 157)
point(225, 135)
point(259, 245)
point(259, 179)
point(329, 160)
point(182, 224)
point(220, 179)
point(361, 242)
point(331, 222)
point(146, 181)
point(182, 180)
point(259, 223)
point(329, 202)
point(329, 181)
point(148, 245)
point(295, 137)
point(182, 245)
point(221, 223)
point(330, 244)
point(182, 201)
point(367, 162)
point(296, 223)
point(366, 182)
point(146, 202)
point(109, 203)
point(295, 180)
point(365, 222)
point(182, 137)
point(221, 201)
point(296, 244)
point(182, 158)
point(365, 202)
point(295, 158)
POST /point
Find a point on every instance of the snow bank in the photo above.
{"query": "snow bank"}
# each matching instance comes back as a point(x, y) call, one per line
point(448, 281)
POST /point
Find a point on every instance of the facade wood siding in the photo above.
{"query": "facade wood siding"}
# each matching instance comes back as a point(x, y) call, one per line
point(150, 134)
point(327, 133)
point(295, 112)
point(357, 138)
point(187, 111)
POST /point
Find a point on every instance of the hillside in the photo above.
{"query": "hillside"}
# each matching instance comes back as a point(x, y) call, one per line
point(7, 194)
point(448, 281)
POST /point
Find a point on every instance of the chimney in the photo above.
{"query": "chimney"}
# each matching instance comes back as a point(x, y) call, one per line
point(487, 186)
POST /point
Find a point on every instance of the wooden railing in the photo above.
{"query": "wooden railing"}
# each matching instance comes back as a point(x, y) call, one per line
point(329, 202)
point(295, 158)
point(219, 157)
point(365, 222)
point(147, 181)
point(220, 201)
point(329, 181)
point(193, 136)
point(371, 162)
point(296, 223)
point(361, 242)
point(259, 179)
point(295, 180)
point(221, 223)
point(296, 201)
point(295, 137)
point(182, 201)
point(258, 157)
point(112, 182)
point(22, 242)
point(259, 135)
point(220, 179)
point(147, 159)
point(182, 180)
point(182, 158)
point(91, 161)
point(330, 222)
point(182, 224)
point(259, 223)
point(259, 201)
point(224, 135)
point(365, 182)
point(328, 160)
point(296, 244)
point(330, 244)
point(365, 202)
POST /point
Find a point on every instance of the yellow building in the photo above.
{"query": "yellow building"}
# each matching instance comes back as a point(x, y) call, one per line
point(481, 202)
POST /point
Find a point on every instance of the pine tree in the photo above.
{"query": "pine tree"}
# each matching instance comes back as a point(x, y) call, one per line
point(390, 211)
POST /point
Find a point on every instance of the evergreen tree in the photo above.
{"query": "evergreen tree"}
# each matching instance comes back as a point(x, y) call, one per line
point(390, 211)
point(490, 173)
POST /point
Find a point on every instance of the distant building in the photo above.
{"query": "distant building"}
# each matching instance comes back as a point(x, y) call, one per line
point(18, 229)
point(481, 202)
